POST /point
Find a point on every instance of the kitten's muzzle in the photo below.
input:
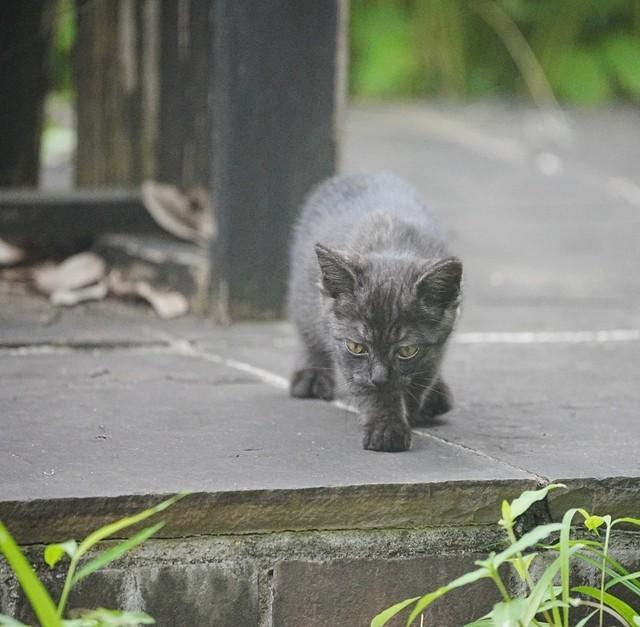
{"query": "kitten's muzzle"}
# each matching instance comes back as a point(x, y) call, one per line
point(379, 375)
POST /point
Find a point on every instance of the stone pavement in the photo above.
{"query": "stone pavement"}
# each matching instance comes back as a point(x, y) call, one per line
point(106, 404)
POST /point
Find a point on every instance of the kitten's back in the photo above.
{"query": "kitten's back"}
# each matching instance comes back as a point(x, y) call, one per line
point(342, 210)
point(364, 214)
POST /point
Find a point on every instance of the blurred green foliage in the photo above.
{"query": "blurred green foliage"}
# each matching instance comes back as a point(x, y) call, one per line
point(64, 34)
point(583, 52)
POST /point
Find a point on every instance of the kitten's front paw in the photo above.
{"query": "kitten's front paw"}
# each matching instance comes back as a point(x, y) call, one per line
point(387, 436)
point(312, 383)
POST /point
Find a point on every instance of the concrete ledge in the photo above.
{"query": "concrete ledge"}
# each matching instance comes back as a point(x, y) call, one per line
point(395, 506)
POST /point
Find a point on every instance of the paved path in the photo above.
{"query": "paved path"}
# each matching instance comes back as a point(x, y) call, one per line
point(104, 400)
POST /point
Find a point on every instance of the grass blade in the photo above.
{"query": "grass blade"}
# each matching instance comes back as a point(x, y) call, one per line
point(109, 530)
point(622, 578)
point(627, 583)
point(539, 592)
point(526, 541)
point(38, 596)
point(101, 534)
point(564, 562)
point(428, 599)
point(108, 556)
point(381, 619)
point(616, 604)
point(627, 520)
point(586, 619)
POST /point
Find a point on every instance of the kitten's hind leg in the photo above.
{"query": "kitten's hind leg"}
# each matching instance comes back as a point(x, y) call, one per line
point(438, 400)
point(313, 378)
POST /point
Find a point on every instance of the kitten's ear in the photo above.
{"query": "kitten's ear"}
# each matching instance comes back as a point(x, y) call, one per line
point(339, 272)
point(441, 282)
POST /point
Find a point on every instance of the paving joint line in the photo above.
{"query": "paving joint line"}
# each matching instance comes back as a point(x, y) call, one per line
point(539, 478)
point(21, 349)
point(184, 347)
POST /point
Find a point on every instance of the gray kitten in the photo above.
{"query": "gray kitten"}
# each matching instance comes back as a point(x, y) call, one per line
point(373, 292)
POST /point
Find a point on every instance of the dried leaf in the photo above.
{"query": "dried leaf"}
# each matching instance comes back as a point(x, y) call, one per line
point(69, 298)
point(186, 215)
point(73, 273)
point(10, 254)
point(166, 303)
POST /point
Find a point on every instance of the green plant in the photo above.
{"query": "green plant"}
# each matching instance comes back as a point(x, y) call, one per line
point(545, 603)
point(574, 51)
point(50, 614)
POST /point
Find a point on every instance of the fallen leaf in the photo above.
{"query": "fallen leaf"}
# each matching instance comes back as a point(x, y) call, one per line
point(68, 298)
point(166, 303)
point(187, 215)
point(10, 254)
point(73, 273)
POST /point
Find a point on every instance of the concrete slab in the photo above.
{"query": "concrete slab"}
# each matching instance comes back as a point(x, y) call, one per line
point(27, 320)
point(546, 224)
point(105, 424)
point(560, 411)
point(107, 404)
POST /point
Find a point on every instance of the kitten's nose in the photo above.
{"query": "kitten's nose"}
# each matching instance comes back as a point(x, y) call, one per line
point(379, 375)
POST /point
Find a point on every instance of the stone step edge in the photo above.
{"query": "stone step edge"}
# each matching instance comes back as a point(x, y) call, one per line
point(357, 507)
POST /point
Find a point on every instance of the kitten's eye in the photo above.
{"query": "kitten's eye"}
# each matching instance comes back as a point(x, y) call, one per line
point(407, 352)
point(354, 348)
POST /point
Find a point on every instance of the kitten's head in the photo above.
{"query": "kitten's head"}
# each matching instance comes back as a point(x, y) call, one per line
point(390, 316)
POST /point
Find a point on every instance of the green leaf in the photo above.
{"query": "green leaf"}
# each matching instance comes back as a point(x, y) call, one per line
point(616, 604)
point(627, 520)
point(521, 564)
point(428, 599)
point(521, 504)
point(485, 621)
point(507, 515)
point(579, 77)
point(593, 522)
point(54, 552)
point(104, 532)
point(539, 593)
point(634, 577)
point(622, 55)
point(612, 572)
point(384, 616)
point(108, 530)
point(549, 605)
point(509, 613)
point(7, 621)
point(384, 60)
point(115, 552)
point(527, 540)
point(38, 596)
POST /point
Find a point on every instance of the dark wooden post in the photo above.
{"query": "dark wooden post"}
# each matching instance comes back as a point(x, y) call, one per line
point(248, 100)
point(25, 35)
point(186, 93)
point(115, 69)
point(277, 75)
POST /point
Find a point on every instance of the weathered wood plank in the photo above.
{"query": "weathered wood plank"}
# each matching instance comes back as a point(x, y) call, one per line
point(33, 216)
